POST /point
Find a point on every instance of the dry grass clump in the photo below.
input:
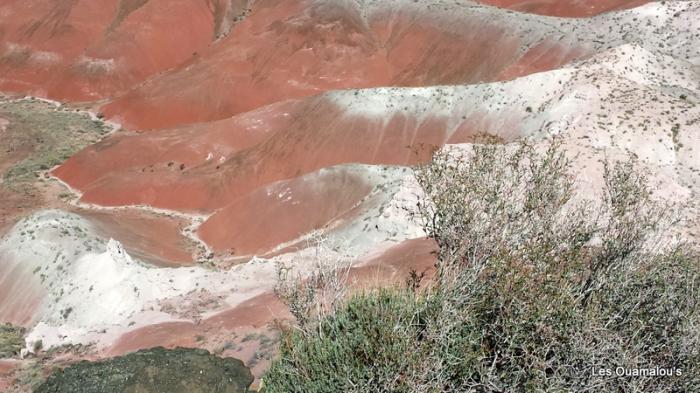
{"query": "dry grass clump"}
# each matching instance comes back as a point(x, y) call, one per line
point(310, 297)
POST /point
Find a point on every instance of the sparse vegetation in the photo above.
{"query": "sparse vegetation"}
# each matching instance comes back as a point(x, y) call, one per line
point(11, 340)
point(29, 376)
point(311, 297)
point(45, 135)
point(534, 291)
point(675, 131)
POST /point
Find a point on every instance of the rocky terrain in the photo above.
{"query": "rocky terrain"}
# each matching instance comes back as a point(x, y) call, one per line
point(151, 203)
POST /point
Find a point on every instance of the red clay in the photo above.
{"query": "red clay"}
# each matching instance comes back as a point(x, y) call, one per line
point(7, 370)
point(281, 212)
point(256, 313)
point(22, 287)
point(284, 49)
point(315, 134)
point(168, 335)
point(173, 150)
point(85, 50)
point(236, 127)
point(389, 266)
point(249, 319)
point(293, 49)
point(394, 264)
point(565, 8)
point(148, 237)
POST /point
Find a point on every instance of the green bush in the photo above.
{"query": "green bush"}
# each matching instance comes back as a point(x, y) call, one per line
point(534, 291)
point(371, 341)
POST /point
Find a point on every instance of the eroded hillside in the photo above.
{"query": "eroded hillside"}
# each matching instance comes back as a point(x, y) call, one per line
point(184, 165)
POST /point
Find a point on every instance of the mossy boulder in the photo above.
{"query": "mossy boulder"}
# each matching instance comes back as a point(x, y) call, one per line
point(153, 370)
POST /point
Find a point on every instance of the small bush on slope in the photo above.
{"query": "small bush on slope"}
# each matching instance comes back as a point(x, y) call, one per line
point(533, 291)
point(368, 343)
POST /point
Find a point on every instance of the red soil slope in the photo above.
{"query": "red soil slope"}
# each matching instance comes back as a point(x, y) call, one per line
point(256, 312)
point(152, 238)
point(274, 215)
point(174, 150)
point(296, 48)
point(7, 367)
point(282, 52)
point(86, 50)
point(309, 135)
point(251, 318)
point(565, 8)
point(395, 263)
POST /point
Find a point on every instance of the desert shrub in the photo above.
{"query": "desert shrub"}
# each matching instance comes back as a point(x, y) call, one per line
point(370, 342)
point(535, 290)
point(544, 287)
